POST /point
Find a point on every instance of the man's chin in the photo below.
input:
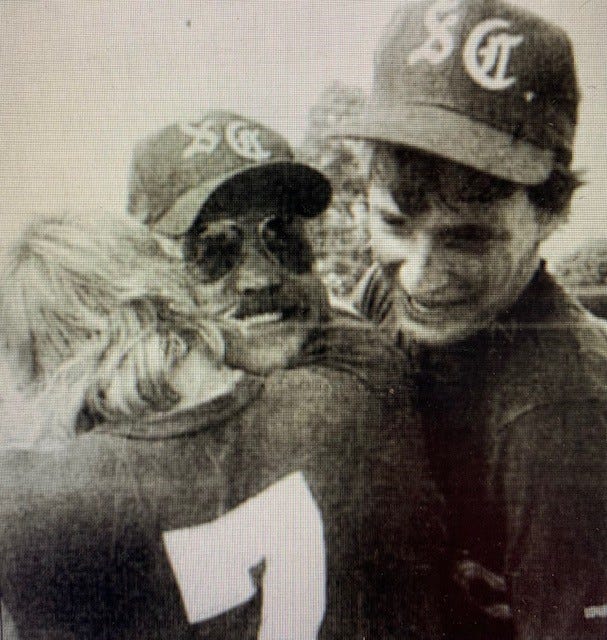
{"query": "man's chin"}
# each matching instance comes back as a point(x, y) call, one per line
point(436, 325)
point(437, 333)
point(266, 348)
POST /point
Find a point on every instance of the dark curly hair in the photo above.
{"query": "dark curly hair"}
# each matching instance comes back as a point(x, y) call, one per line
point(551, 198)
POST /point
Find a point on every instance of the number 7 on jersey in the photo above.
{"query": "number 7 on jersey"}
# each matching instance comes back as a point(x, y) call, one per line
point(282, 526)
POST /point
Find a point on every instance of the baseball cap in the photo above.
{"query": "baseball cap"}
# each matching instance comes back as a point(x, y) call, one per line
point(174, 172)
point(479, 82)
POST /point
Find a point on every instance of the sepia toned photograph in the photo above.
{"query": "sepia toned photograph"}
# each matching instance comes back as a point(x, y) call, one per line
point(303, 320)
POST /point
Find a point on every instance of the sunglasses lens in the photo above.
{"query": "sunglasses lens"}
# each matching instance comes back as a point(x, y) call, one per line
point(285, 243)
point(216, 252)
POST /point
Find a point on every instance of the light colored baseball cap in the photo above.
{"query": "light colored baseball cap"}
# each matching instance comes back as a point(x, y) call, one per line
point(479, 82)
point(174, 172)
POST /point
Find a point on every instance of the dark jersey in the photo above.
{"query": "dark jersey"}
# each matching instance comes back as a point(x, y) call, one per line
point(300, 507)
point(516, 423)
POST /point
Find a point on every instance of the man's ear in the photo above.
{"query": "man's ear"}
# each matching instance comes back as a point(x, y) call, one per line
point(17, 366)
point(173, 248)
point(550, 222)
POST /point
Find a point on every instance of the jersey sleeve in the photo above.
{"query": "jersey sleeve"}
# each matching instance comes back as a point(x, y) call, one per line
point(363, 352)
point(554, 479)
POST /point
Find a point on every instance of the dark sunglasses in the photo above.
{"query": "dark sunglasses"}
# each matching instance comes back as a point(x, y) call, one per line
point(219, 247)
point(412, 177)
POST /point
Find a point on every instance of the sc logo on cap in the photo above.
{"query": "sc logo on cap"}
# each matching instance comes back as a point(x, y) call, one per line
point(242, 139)
point(486, 53)
point(439, 21)
point(487, 63)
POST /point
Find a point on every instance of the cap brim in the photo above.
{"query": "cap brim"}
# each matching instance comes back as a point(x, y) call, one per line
point(293, 186)
point(446, 133)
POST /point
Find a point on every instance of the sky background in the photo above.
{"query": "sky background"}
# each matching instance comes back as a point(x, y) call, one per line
point(82, 81)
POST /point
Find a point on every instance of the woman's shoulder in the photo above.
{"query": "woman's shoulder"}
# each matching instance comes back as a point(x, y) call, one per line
point(56, 465)
point(55, 484)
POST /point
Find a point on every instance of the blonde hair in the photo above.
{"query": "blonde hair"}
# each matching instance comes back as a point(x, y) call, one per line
point(94, 312)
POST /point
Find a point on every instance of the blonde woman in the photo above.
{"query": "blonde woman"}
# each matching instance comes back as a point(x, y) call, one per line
point(150, 491)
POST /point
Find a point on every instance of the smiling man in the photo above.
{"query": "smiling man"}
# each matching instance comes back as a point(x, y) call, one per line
point(231, 190)
point(458, 245)
point(473, 113)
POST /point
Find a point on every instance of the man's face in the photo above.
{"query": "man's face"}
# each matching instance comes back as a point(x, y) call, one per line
point(457, 246)
point(256, 269)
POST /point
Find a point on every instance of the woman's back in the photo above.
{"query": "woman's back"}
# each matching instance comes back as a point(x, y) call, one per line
point(160, 493)
point(303, 482)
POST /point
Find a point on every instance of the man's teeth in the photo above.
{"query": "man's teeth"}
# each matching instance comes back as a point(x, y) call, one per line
point(230, 312)
point(262, 318)
point(434, 306)
point(418, 306)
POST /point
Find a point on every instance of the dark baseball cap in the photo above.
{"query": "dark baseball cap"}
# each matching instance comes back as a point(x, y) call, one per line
point(479, 82)
point(175, 172)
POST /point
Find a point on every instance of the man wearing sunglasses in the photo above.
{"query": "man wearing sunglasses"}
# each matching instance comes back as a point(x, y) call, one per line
point(473, 113)
point(230, 189)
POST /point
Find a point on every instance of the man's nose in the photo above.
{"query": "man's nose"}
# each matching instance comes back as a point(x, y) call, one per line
point(426, 268)
point(420, 264)
point(257, 273)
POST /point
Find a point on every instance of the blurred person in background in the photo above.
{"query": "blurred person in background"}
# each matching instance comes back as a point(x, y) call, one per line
point(228, 189)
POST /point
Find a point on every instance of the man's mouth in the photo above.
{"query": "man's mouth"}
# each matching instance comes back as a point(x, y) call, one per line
point(434, 308)
point(260, 319)
point(252, 316)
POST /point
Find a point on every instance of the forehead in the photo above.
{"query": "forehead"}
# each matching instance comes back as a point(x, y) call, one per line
point(514, 214)
point(504, 220)
point(411, 162)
